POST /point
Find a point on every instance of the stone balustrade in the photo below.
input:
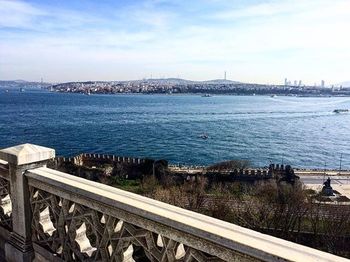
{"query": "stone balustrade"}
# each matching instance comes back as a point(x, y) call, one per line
point(54, 216)
point(5, 200)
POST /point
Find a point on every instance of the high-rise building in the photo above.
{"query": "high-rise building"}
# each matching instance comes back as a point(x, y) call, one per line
point(322, 83)
point(285, 81)
point(300, 83)
point(295, 82)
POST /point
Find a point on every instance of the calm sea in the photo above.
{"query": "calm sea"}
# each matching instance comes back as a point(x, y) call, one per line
point(302, 131)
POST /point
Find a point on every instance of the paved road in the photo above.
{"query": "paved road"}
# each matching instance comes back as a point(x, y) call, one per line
point(318, 180)
point(339, 183)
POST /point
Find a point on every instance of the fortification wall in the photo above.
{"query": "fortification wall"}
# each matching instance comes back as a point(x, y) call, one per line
point(99, 159)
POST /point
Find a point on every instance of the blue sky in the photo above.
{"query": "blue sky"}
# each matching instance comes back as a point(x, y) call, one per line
point(254, 41)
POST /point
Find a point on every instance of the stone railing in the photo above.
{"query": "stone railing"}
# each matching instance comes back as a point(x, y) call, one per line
point(59, 217)
point(5, 201)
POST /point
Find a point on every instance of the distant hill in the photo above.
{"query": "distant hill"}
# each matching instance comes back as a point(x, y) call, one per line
point(221, 81)
point(176, 81)
point(15, 84)
point(18, 83)
point(180, 81)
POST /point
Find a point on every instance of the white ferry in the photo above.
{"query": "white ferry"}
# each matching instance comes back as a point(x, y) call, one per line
point(338, 111)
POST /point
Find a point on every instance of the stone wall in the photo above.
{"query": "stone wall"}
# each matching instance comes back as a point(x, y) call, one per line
point(98, 159)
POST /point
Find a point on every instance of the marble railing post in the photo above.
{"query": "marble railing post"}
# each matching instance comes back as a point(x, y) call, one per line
point(20, 159)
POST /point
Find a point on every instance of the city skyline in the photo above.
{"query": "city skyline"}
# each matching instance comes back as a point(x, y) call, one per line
point(253, 41)
point(285, 82)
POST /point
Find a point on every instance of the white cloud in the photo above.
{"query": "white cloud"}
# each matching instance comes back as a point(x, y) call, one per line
point(17, 14)
point(264, 9)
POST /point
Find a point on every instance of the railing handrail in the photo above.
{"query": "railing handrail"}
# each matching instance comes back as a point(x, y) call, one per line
point(224, 234)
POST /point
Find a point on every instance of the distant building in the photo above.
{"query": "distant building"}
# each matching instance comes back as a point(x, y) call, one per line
point(285, 81)
point(300, 83)
point(295, 82)
point(322, 83)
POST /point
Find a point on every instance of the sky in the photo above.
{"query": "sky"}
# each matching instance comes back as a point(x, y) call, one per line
point(253, 41)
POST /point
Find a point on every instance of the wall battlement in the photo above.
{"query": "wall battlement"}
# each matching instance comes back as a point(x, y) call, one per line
point(98, 159)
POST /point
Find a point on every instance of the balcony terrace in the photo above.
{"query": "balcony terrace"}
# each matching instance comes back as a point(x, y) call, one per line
point(47, 215)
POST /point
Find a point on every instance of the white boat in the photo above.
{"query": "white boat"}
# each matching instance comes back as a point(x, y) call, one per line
point(203, 136)
point(338, 111)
